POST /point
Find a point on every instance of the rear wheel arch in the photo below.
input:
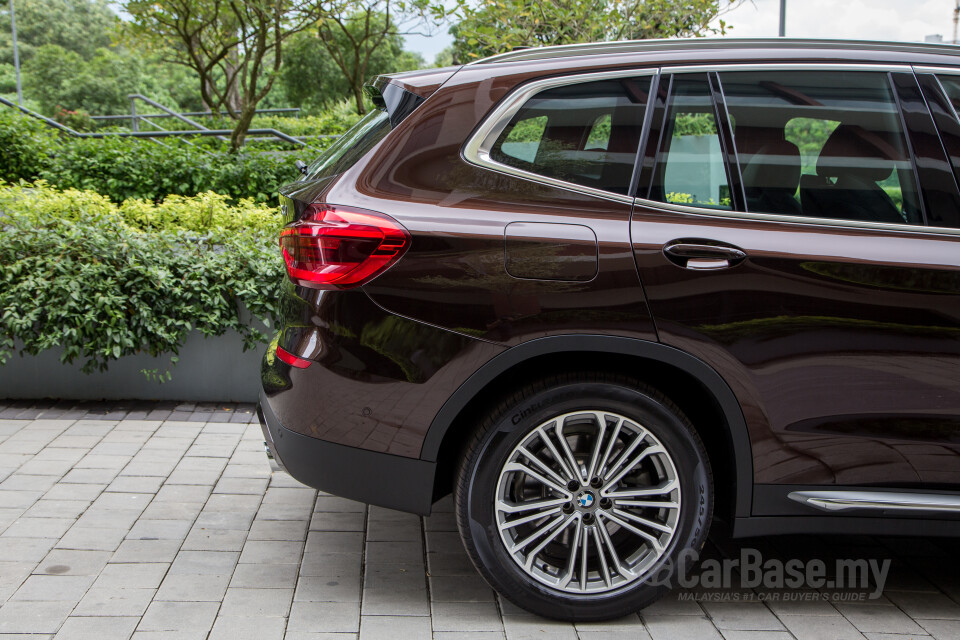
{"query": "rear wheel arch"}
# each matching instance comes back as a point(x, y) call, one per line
point(689, 382)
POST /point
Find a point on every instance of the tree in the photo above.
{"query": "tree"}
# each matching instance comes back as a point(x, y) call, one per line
point(312, 80)
point(353, 31)
point(80, 26)
point(234, 46)
point(497, 26)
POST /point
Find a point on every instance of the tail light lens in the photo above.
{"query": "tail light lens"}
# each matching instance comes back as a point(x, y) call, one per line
point(337, 248)
point(292, 360)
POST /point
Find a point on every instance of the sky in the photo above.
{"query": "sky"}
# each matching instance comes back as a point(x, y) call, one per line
point(901, 20)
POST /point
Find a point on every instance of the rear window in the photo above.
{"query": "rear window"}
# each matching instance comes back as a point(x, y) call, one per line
point(586, 133)
point(351, 146)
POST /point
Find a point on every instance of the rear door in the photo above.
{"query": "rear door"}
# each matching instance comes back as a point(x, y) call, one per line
point(781, 237)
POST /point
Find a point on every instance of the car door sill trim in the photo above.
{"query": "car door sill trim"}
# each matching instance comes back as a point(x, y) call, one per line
point(883, 500)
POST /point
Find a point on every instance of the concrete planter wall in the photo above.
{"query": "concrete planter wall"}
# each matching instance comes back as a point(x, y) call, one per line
point(210, 369)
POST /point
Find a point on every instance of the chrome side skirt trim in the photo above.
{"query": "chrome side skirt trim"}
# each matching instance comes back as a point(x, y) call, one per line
point(883, 500)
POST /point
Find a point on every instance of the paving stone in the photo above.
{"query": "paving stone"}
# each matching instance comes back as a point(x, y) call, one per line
point(330, 564)
point(37, 528)
point(90, 628)
point(159, 530)
point(925, 605)
point(113, 601)
point(941, 629)
point(879, 618)
point(328, 589)
point(327, 521)
point(68, 562)
point(179, 616)
point(193, 588)
point(142, 575)
point(399, 627)
point(268, 576)
point(92, 538)
point(204, 563)
point(466, 616)
point(234, 628)
point(329, 616)
point(528, 627)
point(47, 588)
point(33, 617)
point(256, 602)
point(681, 628)
point(742, 615)
point(181, 531)
point(278, 530)
point(151, 550)
point(820, 627)
point(215, 540)
point(272, 551)
point(394, 552)
point(460, 589)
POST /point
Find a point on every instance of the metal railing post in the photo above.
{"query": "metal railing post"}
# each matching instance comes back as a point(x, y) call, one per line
point(134, 120)
point(16, 53)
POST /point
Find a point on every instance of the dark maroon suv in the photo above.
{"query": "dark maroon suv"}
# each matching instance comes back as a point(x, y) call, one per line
point(612, 295)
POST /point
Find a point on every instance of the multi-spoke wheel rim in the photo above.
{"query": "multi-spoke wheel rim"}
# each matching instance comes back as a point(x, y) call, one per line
point(588, 502)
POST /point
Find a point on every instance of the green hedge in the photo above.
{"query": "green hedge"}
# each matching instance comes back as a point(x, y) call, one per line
point(123, 168)
point(26, 145)
point(104, 281)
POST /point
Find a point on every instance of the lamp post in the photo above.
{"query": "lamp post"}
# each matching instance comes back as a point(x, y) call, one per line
point(783, 17)
point(16, 53)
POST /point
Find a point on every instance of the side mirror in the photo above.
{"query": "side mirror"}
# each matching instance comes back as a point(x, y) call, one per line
point(301, 167)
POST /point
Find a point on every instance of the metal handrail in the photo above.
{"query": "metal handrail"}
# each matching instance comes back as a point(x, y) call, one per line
point(201, 131)
point(124, 116)
point(135, 119)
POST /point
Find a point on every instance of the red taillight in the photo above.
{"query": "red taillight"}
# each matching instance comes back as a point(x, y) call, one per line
point(335, 248)
point(291, 359)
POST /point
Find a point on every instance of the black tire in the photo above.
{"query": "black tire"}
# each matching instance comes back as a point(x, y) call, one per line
point(513, 421)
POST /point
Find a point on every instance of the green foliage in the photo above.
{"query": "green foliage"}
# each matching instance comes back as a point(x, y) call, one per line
point(126, 168)
point(694, 124)
point(496, 26)
point(25, 146)
point(334, 121)
point(55, 76)
point(104, 281)
point(78, 26)
point(76, 120)
point(312, 79)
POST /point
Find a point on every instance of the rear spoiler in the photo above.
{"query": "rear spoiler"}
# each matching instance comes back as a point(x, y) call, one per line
point(400, 93)
point(392, 98)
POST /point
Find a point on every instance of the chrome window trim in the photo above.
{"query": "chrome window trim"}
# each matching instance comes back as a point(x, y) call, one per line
point(807, 220)
point(955, 71)
point(772, 217)
point(789, 66)
point(477, 148)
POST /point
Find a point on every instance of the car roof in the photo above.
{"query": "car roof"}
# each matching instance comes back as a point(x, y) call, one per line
point(701, 45)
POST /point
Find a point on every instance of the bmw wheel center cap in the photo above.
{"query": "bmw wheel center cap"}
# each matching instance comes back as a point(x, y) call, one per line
point(585, 500)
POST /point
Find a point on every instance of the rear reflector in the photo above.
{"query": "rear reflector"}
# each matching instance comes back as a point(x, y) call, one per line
point(291, 359)
point(336, 248)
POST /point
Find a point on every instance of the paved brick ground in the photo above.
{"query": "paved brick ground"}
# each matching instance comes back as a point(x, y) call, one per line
point(156, 526)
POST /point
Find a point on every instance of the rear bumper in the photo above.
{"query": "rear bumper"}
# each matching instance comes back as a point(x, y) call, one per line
point(376, 478)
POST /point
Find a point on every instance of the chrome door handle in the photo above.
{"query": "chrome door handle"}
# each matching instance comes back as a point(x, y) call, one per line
point(702, 256)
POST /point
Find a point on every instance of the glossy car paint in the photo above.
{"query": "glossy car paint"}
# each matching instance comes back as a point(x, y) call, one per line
point(841, 345)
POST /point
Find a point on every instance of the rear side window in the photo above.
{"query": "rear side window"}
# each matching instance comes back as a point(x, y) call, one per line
point(585, 133)
point(822, 144)
point(351, 146)
point(690, 166)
